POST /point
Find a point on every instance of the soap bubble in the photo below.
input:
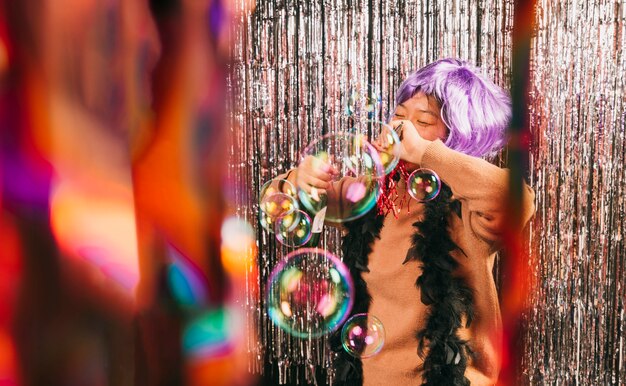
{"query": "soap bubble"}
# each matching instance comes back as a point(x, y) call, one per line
point(277, 198)
point(355, 189)
point(363, 336)
point(424, 184)
point(310, 293)
point(363, 101)
point(293, 229)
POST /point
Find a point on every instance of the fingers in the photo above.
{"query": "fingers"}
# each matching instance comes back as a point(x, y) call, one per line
point(412, 144)
point(311, 181)
point(399, 127)
point(399, 130)
point(313, 186)
point(382, 142)
point(378, 144)
point(385, 140)
point(320, 170)
point(315, 176)
point(330, 170)
point(404, 127)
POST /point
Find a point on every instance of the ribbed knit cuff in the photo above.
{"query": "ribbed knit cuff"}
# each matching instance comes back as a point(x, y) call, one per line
point(433, 154)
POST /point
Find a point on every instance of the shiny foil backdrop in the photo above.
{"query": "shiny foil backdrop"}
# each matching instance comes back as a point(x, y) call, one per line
point(294, 62)
point(576, 323)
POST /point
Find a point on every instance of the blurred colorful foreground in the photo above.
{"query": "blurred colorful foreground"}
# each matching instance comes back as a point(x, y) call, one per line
point(113, 270)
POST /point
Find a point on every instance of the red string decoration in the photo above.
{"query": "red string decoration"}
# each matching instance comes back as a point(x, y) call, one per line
point(389, 199)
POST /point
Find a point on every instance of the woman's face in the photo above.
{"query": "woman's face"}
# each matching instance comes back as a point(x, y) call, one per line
point(425, 114)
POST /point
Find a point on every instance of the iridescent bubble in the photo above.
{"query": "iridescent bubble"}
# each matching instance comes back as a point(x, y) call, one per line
point(310, 293)
point(276, 185)
point(387, 143)
point(363, 336)
point(423, 184)
point(362, 101)
point(356, 186)
point(293, 229)
point(276, 198)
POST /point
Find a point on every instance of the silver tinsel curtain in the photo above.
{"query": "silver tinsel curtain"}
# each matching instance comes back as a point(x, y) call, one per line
point(293, 65)
point(576, 324)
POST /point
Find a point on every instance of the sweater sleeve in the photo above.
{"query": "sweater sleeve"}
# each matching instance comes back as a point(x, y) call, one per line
point(481, 187)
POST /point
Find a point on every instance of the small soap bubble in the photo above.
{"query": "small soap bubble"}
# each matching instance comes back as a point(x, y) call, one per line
point(363, 336)
point(423, 184)
point(293, 229)
point(362, 101)
point(277, 198)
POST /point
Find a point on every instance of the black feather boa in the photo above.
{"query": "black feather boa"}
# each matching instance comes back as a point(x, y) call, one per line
point(450, 299)
point(356, 247)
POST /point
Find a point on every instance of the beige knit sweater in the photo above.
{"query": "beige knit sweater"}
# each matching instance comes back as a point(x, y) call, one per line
point(482, 189)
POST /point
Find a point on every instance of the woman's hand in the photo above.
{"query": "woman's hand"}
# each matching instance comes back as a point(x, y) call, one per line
point(413, 145)
point(314, 176)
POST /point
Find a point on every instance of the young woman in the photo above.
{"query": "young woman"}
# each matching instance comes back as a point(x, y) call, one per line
point(426, 273)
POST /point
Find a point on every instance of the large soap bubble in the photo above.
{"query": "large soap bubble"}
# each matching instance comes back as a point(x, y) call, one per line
point(355, 190)
point(310, 293)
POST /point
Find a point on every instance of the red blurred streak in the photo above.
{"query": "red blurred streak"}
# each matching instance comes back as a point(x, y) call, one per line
point(10, 269)
point(515, 268)
point(10, 275)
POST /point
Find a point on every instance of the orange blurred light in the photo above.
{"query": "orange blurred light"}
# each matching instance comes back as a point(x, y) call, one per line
point(100, 230)
point(239, 248)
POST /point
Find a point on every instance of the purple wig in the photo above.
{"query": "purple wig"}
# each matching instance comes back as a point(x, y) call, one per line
point(475, 110)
